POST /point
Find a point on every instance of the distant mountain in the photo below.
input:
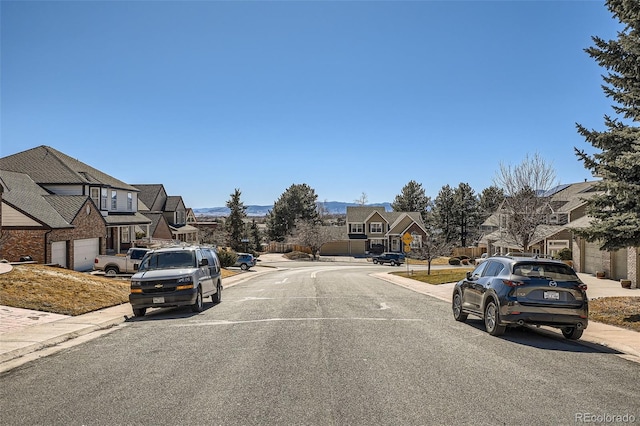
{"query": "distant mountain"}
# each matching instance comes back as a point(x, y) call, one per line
point(332, 207)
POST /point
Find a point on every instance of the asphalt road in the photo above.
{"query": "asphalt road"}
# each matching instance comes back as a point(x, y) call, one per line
point(319, 345)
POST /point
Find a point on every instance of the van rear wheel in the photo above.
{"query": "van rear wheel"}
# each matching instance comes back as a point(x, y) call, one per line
point(217, 296)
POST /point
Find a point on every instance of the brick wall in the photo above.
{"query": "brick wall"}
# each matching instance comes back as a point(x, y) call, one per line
point(23, 242)
point(90, 225)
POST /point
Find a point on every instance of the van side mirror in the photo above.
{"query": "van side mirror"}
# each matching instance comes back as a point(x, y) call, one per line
point(204, 262)
point(469, 275)
point(135, 266)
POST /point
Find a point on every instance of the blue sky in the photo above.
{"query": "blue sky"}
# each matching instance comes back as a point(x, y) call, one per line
point(345, 96)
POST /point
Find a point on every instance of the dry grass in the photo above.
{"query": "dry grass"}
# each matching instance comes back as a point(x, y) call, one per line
point(619, 311)
point(61, 291)
point(437, 276)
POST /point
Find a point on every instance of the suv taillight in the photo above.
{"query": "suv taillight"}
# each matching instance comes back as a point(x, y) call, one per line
point(511, 283)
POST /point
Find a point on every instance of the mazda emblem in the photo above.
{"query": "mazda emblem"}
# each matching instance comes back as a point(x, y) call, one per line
point(553, 283)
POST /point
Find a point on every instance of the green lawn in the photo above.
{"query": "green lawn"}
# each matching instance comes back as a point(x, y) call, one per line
point(439, 276)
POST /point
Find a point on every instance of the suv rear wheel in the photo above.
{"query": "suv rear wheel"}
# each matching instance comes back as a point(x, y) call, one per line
point(492, 319)
point(217, 297)
point(572, 333)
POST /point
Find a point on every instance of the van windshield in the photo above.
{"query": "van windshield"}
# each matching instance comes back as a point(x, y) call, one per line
point(168, 260)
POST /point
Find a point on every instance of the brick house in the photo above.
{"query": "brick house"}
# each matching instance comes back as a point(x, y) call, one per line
point(374, 230)
point(59, 174)
point(66, 230)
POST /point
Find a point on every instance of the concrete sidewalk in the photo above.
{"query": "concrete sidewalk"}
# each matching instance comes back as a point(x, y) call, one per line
point(627, 342)
point(35, 333)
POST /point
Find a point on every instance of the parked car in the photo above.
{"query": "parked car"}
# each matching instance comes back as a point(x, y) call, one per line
point(481, 259)
point(513, 291)
point(393, 259)
point(245, 261)
point(115, 264)
point(176, 276)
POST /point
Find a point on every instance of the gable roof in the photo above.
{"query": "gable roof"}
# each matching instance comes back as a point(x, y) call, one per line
point(173, 201)
point(149, 193)
point(46, 165)
point(68, 205)
point(359, 214)
point(23, 194)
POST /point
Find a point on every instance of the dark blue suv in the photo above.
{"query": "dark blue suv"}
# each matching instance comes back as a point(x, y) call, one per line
point(393, 259)
point(513, 291)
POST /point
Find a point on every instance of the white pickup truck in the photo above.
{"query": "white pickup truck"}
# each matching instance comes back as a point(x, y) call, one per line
point(114, 264)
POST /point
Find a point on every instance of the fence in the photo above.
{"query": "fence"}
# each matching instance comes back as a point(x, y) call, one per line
point(286, 248)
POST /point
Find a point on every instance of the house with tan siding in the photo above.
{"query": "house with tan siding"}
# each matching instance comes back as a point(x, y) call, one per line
point(371, 229)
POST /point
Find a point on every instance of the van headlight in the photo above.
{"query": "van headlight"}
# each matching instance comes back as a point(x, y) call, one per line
point(184, 280)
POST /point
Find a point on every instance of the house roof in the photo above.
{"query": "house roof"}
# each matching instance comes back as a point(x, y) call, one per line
point(127, 219)
point(173, 201)
point(155, 218)
point(358, 214)
point(149, 193)
point(23, 194)
point(68, 205)
point(46, 165)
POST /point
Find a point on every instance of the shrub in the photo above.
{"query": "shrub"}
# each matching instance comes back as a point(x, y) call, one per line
point(297, 255)
point(227, 258)
point(454, 261)
point(565, 254)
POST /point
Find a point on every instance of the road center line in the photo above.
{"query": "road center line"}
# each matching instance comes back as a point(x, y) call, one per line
point(231, 322)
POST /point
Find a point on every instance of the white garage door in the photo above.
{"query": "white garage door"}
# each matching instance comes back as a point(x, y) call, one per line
point(620, 264)
point(84, 253)
point(592, 258)
point(59, 253)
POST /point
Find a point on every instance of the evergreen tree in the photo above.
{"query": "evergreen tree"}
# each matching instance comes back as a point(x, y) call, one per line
point(616, 210)
point(255, 236)
point(234, 224)
point(465, 213)
point(299, 201)
point(444, 215)
point(490, 200)
point(412, 199)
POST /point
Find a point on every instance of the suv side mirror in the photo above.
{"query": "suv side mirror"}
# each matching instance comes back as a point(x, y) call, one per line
point(469, 275)
point(204, 262)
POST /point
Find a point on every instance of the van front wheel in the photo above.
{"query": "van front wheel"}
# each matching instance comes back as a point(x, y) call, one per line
point(198, 306)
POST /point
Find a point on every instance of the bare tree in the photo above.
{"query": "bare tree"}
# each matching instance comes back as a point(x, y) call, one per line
point(524, 188)
point(362, 200)
point(434, 246)
point(311, 234)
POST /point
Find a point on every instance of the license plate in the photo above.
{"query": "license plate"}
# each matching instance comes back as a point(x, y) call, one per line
point(158, 300)
point(553, 295)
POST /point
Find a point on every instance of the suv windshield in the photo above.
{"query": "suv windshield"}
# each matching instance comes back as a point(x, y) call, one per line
point(548, 271)
point(168, 260)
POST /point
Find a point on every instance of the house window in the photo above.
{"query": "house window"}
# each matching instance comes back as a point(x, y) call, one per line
point(180, 217)
point(124, 235)
point(103, 199)
point(375, 227)
point(114, 200)
point(129, 201)
point(95, 195)
point(416, 243)
point(357, 228)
